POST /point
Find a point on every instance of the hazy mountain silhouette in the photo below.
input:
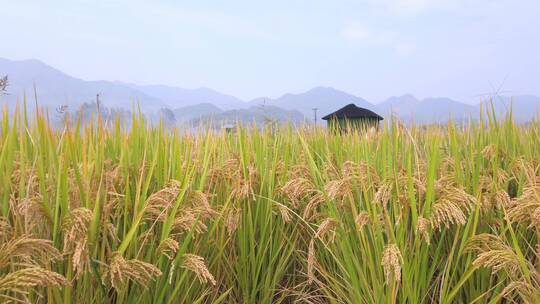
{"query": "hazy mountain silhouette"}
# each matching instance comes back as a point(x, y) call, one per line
point(441, 110)
point(255, 114)
point(176, 97)
point(55, 88)
point(524, 107)
point(325, 99)
point(398, 105)
point(189, 113)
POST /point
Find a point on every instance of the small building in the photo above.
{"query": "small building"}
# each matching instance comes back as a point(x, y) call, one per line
point(352, 117)
point(229, 128)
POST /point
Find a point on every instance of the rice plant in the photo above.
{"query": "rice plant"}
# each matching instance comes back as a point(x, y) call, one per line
point(106, 213)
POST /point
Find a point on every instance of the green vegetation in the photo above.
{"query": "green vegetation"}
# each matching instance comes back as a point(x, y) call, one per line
point(97, 213)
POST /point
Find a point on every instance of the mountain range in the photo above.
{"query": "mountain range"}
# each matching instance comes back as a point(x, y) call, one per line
point(191, 106)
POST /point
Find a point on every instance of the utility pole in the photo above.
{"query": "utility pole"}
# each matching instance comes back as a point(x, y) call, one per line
point(315, 115)
point(97, 103)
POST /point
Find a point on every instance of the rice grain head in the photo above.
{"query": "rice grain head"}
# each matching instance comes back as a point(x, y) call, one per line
point(76, 238)
point(284, 213)
point(383, 195)
point(25, 249)
point(339, 189)
point(6, 231)
point(391, 262)
point(495, 254)
point(525, 290)
point(328, 226)
point(196, 264)
point(446, 213)
point(157, 204)
point(422, 228)
point(121, 271)
point(168, 248)
point(297, 189)
point(311, 262)
point(22, 281)
point(310, 210)
point(232, 220)
point(362, 219)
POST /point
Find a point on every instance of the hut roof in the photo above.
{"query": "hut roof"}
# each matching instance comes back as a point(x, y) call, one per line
point(352, 111)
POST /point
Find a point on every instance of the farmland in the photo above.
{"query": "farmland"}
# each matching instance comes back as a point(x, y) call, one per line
point(103, 213)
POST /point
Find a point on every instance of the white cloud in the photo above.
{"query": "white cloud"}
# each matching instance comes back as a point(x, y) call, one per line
point(354, 31)
point(414, 7)
point(358, 34)
point(405, 49)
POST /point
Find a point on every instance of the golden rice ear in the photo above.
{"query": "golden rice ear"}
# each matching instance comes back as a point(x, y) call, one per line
point(198, 203)
point(29, 212)
point(484, 242)
point(311, 262)
point(76, 238)
point(452, 206)
point(157, 204)
point(339, 189)
point(495, 254)
point(197, 265)
point(310, 211)
point(28, 250)
point(526, 208)
point(525, 290)
point(328, 226)
point(446, 213)
point(499, 260)
point(391, 262)
point(244, 186)
point(350, 169)
point(300, 171)
point(284, 212)
point(422, 228)
point(168, 248)
point(297, 189)
point(22, 281)
point(489, 152)
point(121, 271)
point(232, 220)
point(362, 173)
point(188, 221)
point(362, 219)
point(6, 231)
point(383, 195)
point(231, 167)
point(331, 171)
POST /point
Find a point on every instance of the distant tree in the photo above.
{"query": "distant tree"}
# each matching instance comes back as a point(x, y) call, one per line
point(3, 85)
point(167, 115)
point(89, 110)
point(269, 122)
point(62, 113)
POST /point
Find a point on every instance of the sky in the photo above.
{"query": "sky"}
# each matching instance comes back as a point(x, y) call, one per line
point(463, 49)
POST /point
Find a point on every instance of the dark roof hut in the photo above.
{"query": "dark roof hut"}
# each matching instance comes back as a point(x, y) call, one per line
point(351, 117)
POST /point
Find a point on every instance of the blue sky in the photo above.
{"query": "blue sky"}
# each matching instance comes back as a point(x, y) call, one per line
point(371, 48)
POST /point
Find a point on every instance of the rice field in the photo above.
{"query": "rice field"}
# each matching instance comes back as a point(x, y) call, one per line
point(100, 213)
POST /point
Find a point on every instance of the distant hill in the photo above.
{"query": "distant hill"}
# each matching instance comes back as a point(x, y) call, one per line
point(254, 114)
point(182, 106)
point(175, 97)
point(430, 110)
point(325, 99)
point(398, 105)
point(189, 113)
point(56, 88)
point(524, 107)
